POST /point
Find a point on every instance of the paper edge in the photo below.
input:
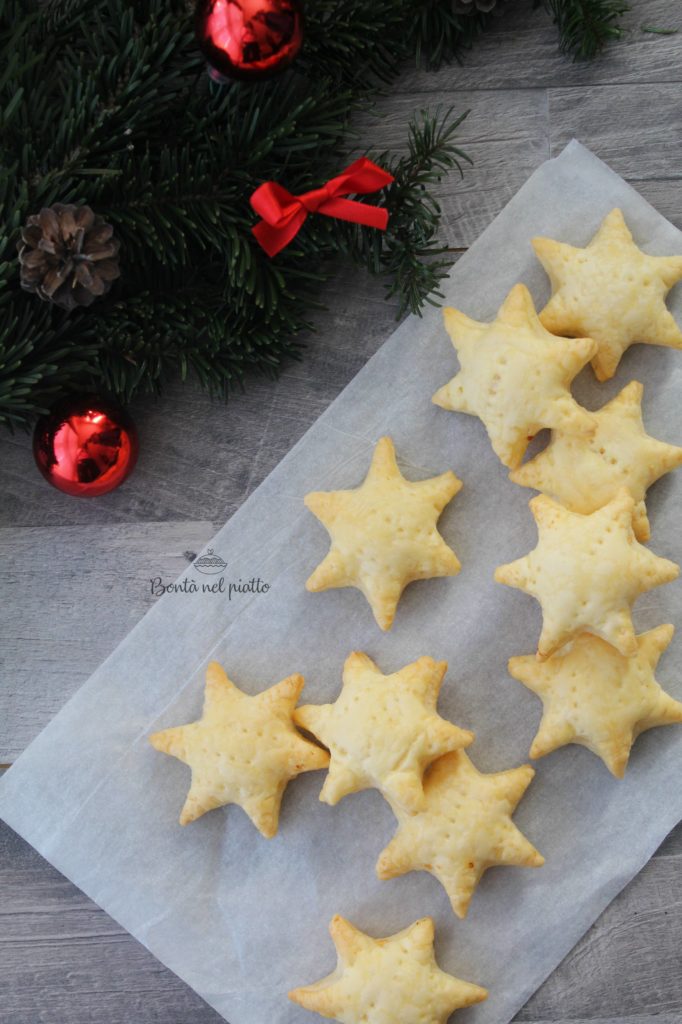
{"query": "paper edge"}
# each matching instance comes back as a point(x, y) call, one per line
point(610, 894)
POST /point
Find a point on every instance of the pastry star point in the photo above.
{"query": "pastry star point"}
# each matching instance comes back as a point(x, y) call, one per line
point(586, 571)
point(515, 376)
point(585, 473)
point(399, 708)
point(594, 696)
point(464, 828)
point(384, 533)
point(392, 979)
point(242, 750)
point(610, 290)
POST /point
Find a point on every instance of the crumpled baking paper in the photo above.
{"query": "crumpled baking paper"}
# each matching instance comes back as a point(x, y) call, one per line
point(242, 919)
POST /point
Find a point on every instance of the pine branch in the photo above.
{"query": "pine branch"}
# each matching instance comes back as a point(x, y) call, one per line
point(585, 26)
point(355, 43)
point(409, 254)
point(110, 105)
point(437, 35)
point(38, 361)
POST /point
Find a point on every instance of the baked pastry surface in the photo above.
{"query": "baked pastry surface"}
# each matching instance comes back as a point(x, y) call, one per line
point(243, 750)
point(611, 291)
point(395, 980)
point(595, 696)
point(384, 534)
point(584, 473)
point(586, 572)
point(515, 376)
point(464, 828)
point(383, 731)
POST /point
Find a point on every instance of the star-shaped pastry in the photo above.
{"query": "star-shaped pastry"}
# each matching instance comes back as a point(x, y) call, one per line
point(515, 376)
point(464, 828)
point(586, 571)
point(611, 291)
point(584, 473)
point(384, 533)
point(594, 696)
point(395, 980)
point(383, 731)
point(243, 750)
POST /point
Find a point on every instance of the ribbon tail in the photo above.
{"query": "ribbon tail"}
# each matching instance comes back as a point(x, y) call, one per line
point(358, 213)
point(274, 239)
point(361, 177)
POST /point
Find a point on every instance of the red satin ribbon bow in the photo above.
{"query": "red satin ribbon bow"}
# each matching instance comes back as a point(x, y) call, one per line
point(283, 213)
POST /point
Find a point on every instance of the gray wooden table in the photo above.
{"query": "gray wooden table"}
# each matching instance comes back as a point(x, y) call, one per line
point(76, 574)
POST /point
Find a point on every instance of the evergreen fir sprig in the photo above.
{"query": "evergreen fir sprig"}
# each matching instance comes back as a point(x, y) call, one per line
point(409, 254)
point(438, 35)
point(109, 105)
point(585, 26)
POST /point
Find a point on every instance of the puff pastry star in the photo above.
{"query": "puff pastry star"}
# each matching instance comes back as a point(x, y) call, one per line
point(395, 980)
point(464, 829)
point(586, 571)
point(383, 731)
point(243, 750)
point(611, 291)
point(594, 696)
point(515, 376)
point(585, 473)
point(384, 534)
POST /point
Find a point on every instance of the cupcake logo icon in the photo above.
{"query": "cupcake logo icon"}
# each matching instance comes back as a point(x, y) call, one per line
point(210, 564)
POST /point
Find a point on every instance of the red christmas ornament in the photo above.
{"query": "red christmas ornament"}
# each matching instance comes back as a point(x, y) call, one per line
point(249, 39)
point(85, 446)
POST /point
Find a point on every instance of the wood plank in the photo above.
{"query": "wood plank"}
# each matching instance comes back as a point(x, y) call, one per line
point(65, 959)
point(505, 135)
point(521, 51)
point(195, 455)
point(637, 130)
point(201, 457)
point(630, 961)
point(69, 595)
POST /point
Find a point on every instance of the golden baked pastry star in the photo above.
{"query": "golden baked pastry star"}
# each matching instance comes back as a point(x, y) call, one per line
point(384, 533)
point(464, 829)
point(611, 291)
point(585, 473)
point(594, 696)
point(395, 980)
point(243, 750)
point(383, 731)
point(515, 376)
point(586, 571)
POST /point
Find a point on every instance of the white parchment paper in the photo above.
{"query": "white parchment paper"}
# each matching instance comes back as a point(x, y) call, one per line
point(242, 919)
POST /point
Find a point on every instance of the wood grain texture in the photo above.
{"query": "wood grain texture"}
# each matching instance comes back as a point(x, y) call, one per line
point(201, 457)
point(521, 52)
point(70, 594)
point(505, 134)
point(62, 960)
point(624, 124)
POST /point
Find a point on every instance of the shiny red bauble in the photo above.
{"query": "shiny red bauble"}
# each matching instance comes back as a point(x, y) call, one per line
point(86, 445)
point(249, 39)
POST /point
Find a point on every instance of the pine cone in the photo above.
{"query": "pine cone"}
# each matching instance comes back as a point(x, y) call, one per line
point(68, 255)
point(475, 6)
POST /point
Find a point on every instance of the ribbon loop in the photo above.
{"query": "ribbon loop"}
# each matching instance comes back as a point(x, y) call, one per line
point(284, 214)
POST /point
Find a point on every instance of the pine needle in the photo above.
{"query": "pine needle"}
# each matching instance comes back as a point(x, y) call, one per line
point(109, 104)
